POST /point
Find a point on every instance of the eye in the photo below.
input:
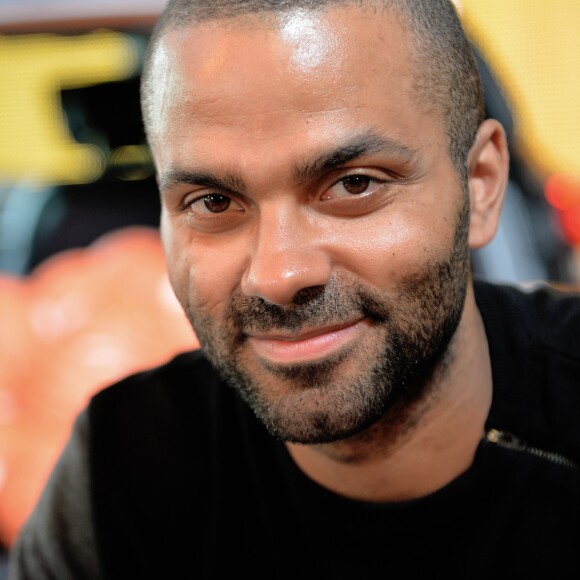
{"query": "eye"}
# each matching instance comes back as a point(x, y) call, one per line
point(353, 185)
point(216, 203)
point(213, 203)
point(356, 184)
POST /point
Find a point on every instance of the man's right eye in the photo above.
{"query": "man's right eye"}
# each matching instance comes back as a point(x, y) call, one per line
point(213, 203)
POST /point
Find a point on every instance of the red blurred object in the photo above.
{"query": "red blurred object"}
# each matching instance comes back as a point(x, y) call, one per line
point(82, 319)
point(563, 193)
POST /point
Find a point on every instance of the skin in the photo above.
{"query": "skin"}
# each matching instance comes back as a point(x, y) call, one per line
point(271, 241)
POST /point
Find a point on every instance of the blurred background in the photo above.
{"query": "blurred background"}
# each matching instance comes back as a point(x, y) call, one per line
point(84, 296)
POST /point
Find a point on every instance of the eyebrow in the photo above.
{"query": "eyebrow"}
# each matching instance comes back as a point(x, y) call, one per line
point(358, 146)
point(179, 176)
point(365, 144)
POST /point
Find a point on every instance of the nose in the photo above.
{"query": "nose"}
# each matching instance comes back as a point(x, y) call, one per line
point(288, 256)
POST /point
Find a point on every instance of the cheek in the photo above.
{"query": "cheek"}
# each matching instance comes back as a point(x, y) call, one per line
point(203, 277)
point(384, 251)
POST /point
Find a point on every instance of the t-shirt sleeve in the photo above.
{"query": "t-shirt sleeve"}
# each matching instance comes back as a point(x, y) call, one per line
point(57, 540)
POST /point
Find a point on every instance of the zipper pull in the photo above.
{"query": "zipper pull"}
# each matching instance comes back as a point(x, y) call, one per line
point(510, 441)
point(505, 439)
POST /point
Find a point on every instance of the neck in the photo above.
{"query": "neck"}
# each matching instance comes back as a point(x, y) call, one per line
point(410, 454)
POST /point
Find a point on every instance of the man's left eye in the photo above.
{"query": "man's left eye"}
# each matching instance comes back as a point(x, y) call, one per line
point(352, 185)
point(356, 184)
point(217, 203)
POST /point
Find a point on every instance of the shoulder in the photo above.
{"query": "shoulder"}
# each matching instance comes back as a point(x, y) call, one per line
point(190, 367)
point(187, 376)
point(173, 402)
point(534, 338)
point(540, 317)
point(57, 540)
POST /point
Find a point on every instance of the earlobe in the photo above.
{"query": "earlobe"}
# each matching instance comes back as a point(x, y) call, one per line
point(488, 169)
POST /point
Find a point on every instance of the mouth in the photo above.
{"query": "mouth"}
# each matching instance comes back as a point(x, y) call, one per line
point(307, 345)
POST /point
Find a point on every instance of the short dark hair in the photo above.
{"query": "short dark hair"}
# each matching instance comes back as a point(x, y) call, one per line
point(448, 77)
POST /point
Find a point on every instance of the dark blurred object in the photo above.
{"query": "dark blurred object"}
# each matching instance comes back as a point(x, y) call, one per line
point(107, 116)
point(78, 214)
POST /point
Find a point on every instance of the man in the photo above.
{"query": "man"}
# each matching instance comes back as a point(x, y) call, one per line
point(360, 406)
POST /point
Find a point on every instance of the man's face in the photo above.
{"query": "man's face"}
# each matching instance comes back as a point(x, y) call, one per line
point(314, 225)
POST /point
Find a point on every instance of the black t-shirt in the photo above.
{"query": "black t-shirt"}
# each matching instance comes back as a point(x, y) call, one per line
point(169, 474)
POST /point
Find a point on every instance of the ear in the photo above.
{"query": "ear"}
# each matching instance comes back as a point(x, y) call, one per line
point(488, 170)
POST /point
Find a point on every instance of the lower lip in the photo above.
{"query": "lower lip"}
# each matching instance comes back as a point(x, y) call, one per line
point(314, 347)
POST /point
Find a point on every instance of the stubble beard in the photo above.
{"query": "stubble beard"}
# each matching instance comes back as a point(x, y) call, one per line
point(340, 396)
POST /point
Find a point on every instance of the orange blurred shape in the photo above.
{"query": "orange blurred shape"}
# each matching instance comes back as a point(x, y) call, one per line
point(563, 193)
point(83, 319)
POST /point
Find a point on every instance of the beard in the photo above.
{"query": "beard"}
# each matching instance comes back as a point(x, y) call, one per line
point(382, 375)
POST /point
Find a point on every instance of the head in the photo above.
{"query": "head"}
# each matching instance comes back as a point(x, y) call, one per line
point(324, 169)
point(447, 76)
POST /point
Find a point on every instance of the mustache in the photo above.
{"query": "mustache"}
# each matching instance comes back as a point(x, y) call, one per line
point(334, 303)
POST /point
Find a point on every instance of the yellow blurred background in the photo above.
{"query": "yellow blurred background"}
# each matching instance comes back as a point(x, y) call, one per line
point(534, 47)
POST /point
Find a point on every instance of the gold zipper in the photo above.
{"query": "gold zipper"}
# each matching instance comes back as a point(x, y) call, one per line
point(510, 441)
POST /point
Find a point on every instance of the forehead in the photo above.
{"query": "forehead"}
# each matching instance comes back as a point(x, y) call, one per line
point(262, 78)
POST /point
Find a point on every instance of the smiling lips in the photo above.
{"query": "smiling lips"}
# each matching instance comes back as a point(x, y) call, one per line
point(308, 345)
